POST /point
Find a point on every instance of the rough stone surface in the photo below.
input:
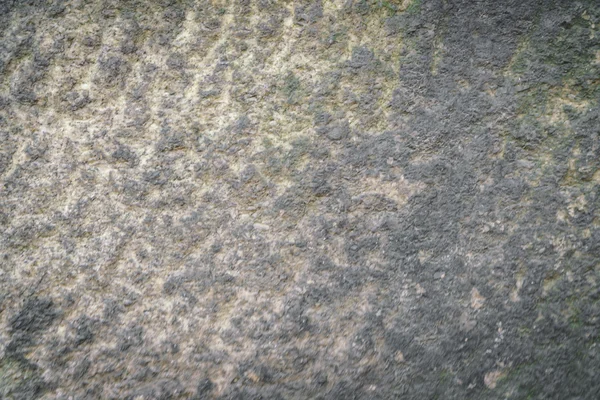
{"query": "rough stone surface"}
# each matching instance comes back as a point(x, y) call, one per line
point(259, 199)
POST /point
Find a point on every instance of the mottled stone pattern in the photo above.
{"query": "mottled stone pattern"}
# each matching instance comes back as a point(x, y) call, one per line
point(260, 199)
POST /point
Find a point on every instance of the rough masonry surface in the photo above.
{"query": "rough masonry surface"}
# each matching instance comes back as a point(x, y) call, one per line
point(260, 199)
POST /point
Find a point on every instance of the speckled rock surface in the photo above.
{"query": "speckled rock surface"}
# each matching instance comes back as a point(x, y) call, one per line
point(260, 199)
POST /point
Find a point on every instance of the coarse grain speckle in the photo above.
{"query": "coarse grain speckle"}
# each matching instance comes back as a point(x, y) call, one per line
point(299, 199)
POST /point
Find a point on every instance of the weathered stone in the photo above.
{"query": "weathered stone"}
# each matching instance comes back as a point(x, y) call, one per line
point(307, 199)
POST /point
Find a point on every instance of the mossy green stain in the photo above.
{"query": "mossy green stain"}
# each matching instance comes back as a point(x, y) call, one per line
point(414, 7)
point(19, 377)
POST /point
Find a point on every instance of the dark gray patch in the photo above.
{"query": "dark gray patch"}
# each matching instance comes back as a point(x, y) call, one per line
point(205, 387)
point(112, 71)
point(36, 315)
point(78, 100)
point(130, 338)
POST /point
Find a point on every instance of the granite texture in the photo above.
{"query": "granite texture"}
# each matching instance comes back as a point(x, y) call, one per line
point(299, 199)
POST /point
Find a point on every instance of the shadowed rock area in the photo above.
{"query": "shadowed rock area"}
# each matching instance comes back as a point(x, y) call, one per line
point(259, 199)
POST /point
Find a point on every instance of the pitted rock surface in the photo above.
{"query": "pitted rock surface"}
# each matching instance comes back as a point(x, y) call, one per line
point(258, 199)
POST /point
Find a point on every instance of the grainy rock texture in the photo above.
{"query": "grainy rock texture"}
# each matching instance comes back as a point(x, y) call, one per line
point(260, 199)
